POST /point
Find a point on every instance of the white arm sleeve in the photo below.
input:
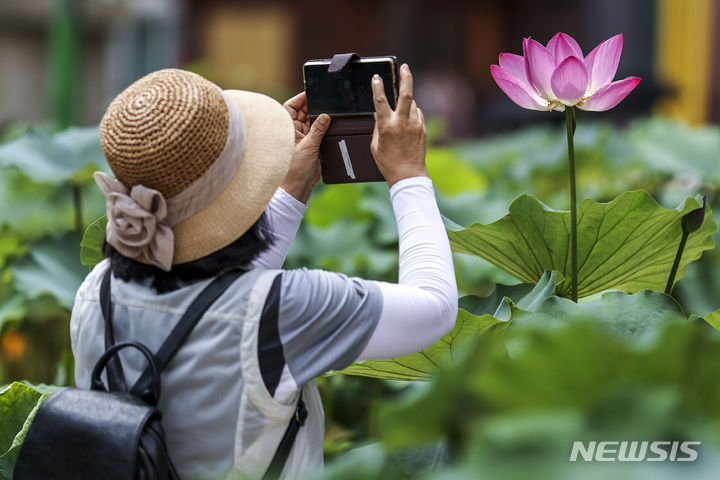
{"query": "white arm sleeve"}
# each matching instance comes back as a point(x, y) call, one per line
point(284, 214)
point(422, 306)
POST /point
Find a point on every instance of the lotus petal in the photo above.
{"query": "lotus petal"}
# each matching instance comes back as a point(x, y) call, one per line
point(604, 62)
point(519, 92)
point(569, 81)
point(589, 64)
point(562, 46)
point(515, 64)
point(610, 95)
point(540, 66)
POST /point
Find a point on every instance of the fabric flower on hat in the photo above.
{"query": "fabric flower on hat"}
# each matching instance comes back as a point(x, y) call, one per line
point(136, 223)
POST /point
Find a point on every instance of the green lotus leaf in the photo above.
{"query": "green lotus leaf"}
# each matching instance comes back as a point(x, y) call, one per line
point(19, 403)
point(477, 317)
point(332, 203)
point(627, 244)
point(673, 147)
point(91, 251)
point(11, 245)
point(70, 155)
point(635, 318)
point(34, 209)
point(451, 174)
point(562, 359)
point(344, 246)
point(714, 319)
point(52, 267)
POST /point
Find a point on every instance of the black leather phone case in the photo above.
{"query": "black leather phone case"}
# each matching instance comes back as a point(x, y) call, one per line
point(345, 154)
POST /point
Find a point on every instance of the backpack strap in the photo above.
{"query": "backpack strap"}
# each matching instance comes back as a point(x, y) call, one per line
point(182, 330)
point(115, 374)
point(283, 451)
point(271, 362)
point(172, 344)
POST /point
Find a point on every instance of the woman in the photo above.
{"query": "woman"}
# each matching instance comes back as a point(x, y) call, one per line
point(210, 179)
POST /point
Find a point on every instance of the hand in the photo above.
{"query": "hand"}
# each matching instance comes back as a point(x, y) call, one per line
point(304, 170)
point(398, 142)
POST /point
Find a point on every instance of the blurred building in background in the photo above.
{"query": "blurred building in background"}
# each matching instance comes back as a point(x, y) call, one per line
point(64, 60)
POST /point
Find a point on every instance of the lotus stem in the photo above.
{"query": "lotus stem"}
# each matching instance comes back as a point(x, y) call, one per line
point(570, 122)
point(676, 263)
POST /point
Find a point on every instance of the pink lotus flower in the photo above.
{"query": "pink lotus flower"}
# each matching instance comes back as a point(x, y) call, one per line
point(555, 76)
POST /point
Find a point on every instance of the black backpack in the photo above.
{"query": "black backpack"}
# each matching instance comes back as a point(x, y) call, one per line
point(116, 433)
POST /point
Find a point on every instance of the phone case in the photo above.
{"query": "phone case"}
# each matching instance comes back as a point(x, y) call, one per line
point(345, 155)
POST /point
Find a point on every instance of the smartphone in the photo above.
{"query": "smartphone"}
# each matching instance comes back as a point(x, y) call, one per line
point(348, 92)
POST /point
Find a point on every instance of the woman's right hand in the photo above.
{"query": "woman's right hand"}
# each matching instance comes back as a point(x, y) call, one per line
point(398, 142)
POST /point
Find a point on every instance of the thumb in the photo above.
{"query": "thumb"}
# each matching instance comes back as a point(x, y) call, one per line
point(317, 130)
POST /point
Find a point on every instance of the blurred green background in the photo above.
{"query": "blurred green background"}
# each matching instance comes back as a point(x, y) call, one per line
point(64, 60)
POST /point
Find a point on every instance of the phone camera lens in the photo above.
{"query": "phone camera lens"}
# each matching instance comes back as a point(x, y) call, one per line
point(347, 84)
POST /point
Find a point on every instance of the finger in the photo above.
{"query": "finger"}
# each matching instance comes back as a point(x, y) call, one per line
point(317, 131)
point(382, 107)
point(297, 104)
point(302, 116)
point(421, 116)
point(301, 127)
point(405, 95)
point(299, 136)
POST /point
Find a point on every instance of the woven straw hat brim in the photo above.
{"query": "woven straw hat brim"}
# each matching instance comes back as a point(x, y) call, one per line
point(270, 144)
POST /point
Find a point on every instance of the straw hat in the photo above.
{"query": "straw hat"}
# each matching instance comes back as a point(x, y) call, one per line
point(195, 165)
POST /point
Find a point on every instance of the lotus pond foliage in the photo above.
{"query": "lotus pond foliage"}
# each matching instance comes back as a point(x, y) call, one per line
point(525, 372)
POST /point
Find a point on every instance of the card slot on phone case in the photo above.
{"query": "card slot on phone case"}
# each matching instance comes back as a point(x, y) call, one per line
point(344, 159)
point(345, 151)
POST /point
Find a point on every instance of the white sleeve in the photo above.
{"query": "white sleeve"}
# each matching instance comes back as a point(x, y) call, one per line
point(422, 306)
point(284, 214)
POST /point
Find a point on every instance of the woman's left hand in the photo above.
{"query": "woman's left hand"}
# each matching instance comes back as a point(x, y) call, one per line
point(304, 170)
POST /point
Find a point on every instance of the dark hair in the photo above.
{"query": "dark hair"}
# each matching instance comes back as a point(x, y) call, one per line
point(238, 254)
